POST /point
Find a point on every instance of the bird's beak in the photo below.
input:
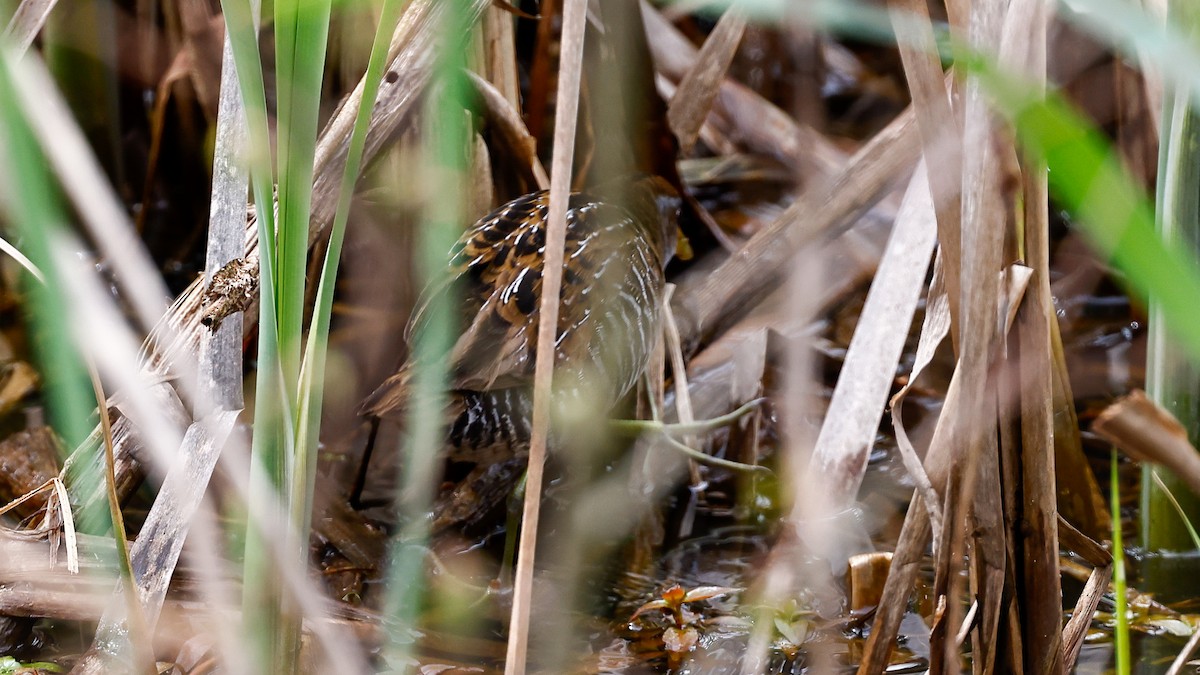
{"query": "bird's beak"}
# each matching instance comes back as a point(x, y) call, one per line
point(683, 247)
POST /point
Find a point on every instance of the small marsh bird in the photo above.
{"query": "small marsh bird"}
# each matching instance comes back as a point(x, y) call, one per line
point(619, 238)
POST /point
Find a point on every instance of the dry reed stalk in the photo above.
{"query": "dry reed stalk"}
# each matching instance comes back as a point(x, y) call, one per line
point(934, 329)
point(693, 99)
point(566, 112)
point(510, 130)
point(1035, 525)
point(1079, 494)
point(1011, 650)
point(861, 394)
point(711, 304)
point(940, 132)
point(541, 81)
point(742, 115)
point(1077, 626)
point(26, 22)
point(941, 461)
point(500, 56)
point(974, 427)
point(221, 350)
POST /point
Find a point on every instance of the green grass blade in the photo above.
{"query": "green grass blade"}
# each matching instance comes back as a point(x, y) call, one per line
point(301, 34)
point(312, 374)
point(1121, 627)
point(34, 206)
point(261, 590)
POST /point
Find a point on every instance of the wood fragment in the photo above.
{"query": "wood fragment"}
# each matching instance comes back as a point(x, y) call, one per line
point(28, 461)
point(233, 289)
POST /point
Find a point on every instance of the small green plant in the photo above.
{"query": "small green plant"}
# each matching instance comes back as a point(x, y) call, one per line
point(682, 636)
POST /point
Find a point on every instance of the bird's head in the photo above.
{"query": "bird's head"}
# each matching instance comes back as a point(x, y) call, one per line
point(656, 204)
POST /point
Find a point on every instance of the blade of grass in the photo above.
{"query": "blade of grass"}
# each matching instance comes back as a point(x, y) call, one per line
point(141, 654)
point(312, 373)
point(34, 206)
point(301, 37)
point(1183, 516)
point(33, 203)
point(1121, 629)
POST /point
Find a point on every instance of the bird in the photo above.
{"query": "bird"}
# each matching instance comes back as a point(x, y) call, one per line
point(620, 236)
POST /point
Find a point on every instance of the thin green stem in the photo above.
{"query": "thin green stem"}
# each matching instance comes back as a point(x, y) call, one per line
point(1121, 629)
point(703, 458)
point(139, 630)
point(634, 427)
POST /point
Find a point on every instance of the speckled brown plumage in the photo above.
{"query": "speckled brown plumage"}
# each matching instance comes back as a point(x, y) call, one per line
point(619, 239)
